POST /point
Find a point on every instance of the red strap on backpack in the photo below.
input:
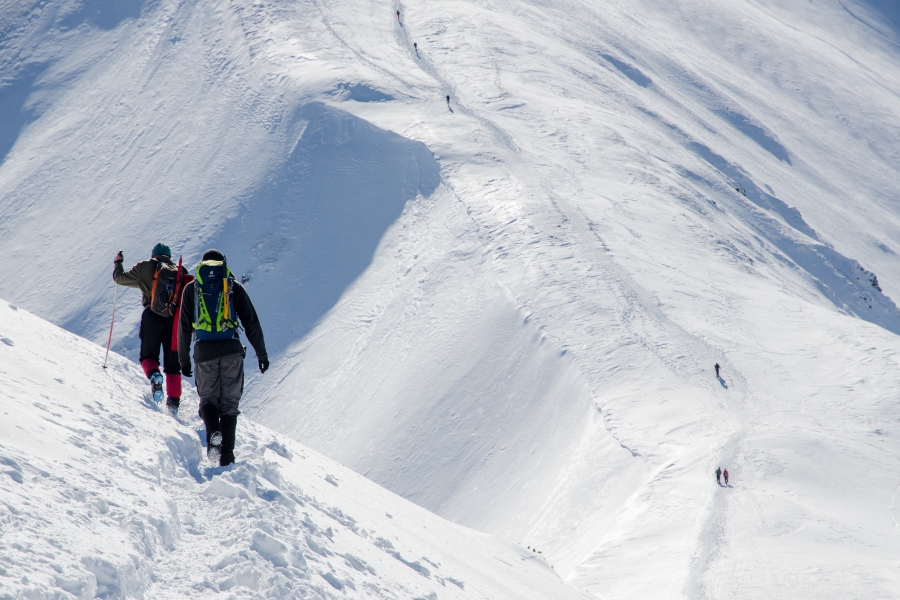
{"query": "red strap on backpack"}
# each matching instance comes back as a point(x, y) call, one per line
point(181, 280)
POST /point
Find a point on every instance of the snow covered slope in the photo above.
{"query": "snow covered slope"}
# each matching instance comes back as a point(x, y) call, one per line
point(122, 130)
point(510, 306)
point(106, 497)
point(531, 351)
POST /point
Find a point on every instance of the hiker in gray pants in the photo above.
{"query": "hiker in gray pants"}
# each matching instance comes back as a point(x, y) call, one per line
point(218, 353)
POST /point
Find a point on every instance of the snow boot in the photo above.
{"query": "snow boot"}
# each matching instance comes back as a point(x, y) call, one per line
point(214, 448)
point(172, 404)
point(156, 386)
point(229, 426)
point(210, 415)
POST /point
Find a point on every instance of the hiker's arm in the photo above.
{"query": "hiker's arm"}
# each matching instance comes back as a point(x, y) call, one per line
point(129, 278)
point(249, 320)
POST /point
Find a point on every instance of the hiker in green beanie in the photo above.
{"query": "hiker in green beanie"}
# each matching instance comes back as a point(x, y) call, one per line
point(160, 282)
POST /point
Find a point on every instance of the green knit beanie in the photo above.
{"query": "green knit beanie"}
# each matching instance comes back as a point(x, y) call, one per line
point(160, 250)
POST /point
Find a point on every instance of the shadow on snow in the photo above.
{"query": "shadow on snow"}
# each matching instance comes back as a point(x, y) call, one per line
point(312, 228)
point(840, 279)
point(882, 16)
point(17, 112)
point(105, 14)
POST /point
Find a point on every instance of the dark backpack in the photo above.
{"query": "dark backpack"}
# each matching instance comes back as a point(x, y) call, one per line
point(166, 289)
point(214, 315)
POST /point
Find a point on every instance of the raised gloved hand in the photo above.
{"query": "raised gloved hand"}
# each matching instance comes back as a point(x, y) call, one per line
point(186, 370)
point(263, 364)
point(119, 257)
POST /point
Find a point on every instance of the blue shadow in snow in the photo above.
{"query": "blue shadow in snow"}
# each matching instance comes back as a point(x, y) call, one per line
point(840, 279)
point(723, 383)
point(790, 214)
point(16, 115)
point(362, 93)
point(628, 71)
point(311, 230)
point(105, 14)
point(885, 12)
point(756, 133)
point(184, 452)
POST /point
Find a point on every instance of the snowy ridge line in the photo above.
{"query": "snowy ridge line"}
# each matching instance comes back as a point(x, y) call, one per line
point(627, 299)
point(514, 155)
point(108, 497)
point(842, 290)
point(481, 228)
point(568, 238)
point(716, 288)
point(836, 276)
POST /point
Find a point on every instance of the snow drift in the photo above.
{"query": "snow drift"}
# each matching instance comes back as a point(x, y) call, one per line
point(107, 497)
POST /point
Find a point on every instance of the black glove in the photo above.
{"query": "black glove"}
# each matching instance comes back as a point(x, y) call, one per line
point(263, 364)
point(186, 370)
point(119, 258)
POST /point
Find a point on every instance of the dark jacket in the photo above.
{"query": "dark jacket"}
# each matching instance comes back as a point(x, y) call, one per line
point(205, 350)
point(141, 275)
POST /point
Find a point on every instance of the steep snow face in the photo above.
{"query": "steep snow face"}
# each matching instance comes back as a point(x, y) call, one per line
point(125, 125)
point(631, 193)
point(628, 193)
point(107, 497)
point(312, 229)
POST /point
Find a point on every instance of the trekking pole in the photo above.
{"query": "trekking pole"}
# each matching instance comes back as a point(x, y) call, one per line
point(111, 323)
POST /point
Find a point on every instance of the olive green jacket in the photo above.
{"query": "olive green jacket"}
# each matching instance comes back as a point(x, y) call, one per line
point(139, 276)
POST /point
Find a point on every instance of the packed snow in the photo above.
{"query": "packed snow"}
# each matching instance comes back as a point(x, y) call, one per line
point(506, 308)
point(106, 496)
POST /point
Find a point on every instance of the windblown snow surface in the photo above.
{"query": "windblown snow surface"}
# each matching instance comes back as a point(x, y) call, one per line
point(104, 496)
point(507, 308)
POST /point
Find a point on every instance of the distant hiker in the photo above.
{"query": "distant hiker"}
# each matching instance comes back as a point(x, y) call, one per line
point(717, 369)
point(210, 309)
point(719, 475)
point(448, 99)
point(160, 282)
point(398, 15)
point(725, 475)
point(416, 47)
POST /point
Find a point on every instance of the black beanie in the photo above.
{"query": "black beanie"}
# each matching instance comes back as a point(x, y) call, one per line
point(213, 255)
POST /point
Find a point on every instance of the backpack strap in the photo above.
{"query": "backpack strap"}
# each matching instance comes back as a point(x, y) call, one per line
point(196, 301)
point(155, 279)
point(225, 314)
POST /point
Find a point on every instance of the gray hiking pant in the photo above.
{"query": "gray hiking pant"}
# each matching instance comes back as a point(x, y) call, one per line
point(221, 382)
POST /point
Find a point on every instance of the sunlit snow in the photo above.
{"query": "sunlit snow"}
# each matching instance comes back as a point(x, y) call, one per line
point(505, 308)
